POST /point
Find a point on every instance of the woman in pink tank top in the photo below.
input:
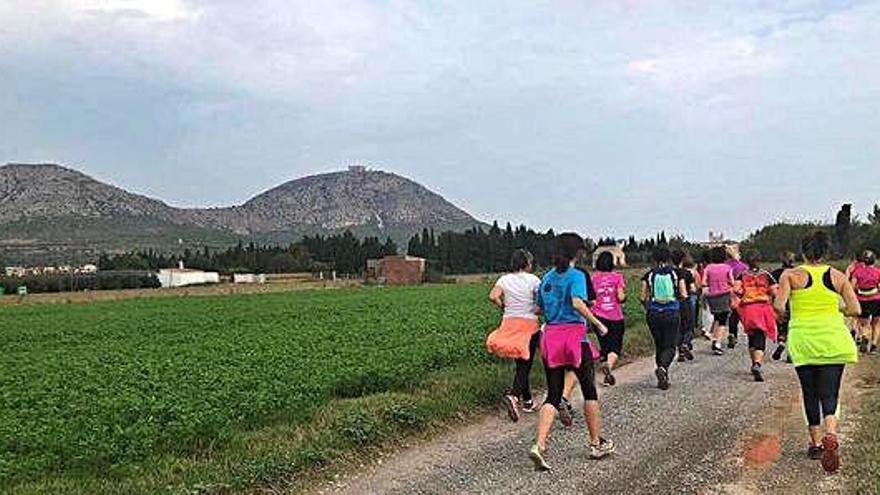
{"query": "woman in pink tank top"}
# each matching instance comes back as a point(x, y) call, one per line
point(717, 283)
point(865, 277)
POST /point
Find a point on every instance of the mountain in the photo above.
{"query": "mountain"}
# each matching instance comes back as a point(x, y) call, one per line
point(47, 209)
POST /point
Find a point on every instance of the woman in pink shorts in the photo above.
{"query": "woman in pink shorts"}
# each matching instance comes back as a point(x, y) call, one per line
point(562, 297)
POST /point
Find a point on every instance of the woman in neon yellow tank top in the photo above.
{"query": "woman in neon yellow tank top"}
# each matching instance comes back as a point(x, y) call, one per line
point(819, 340)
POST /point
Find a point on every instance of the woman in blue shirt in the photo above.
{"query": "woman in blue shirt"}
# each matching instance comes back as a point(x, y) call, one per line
point(562, 297)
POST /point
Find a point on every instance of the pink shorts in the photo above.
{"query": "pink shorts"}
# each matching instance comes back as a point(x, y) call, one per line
point(561, 344)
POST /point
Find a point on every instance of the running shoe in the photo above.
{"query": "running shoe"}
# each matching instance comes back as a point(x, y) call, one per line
point(731, 341)
point(777, 354)
point(681, 356)
point(609, 379)
point(757, 372)
point(537, 458)
point(604, 448)
point(662, 378)
point(528, 406)
point(863, 345)
point(511, 403)
point(688, 354)
point(873, 350)
point(566, 414)
point(815, 452)
point(716, 349)
point(830, 453)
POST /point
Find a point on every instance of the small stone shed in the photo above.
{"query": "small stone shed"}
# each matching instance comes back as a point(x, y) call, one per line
point(396, 270)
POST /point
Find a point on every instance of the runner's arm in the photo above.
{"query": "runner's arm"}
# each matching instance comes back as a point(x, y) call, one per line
point(643, 294)
point(581, 307)
point(621, 294)
point(781, 299)
point(846, 290)
point(496, 295)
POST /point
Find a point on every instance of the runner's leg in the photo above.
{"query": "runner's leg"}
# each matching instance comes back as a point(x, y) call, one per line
point(809, 390)
point(875, 327)
point(521, 383)
point(757, 346)
point(586, 376)
point(828, 378)
point(555, 378)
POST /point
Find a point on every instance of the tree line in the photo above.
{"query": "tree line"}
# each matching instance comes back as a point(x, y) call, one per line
point(850, 233)
point(479, 251)
point(476, 250)
point(344, 253)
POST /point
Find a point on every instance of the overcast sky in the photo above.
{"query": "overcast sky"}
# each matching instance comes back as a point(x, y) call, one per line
point(605, 117)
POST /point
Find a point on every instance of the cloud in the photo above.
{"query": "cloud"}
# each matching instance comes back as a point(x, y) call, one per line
point(157, 10)
point(245, 93)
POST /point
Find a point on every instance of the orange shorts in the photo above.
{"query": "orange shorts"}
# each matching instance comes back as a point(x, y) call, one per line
point(511, 339)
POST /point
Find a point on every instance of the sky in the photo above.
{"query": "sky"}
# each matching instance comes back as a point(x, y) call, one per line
point(605, 117)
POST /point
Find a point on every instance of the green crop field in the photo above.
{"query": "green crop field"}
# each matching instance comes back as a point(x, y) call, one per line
point(224, 393)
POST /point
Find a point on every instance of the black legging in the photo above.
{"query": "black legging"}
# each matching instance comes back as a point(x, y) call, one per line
point(820, 385)
point(586, 375)
point(733, 323)
point(521, 387)
point(686, 324)
point(664, 326)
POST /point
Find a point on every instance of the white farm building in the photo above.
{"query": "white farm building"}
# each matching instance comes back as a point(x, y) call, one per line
point(179, 277)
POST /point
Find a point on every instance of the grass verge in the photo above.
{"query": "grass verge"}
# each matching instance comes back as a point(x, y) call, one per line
point(866, 447)
point(289, 452)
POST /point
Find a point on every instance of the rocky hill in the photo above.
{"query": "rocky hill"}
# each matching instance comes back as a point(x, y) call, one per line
point(48, 191)
point(48, 207)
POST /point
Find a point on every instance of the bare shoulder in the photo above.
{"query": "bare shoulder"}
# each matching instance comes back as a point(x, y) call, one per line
point(838, 277)
point(796, 277)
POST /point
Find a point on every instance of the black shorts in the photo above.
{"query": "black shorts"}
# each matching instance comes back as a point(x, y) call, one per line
point(870, 309)
point(613, 340)
point(722, 318)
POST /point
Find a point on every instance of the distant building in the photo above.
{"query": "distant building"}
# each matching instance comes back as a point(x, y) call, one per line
point(616, 251)
point(180, 277)
point(357, 169)
point(248, 278)
point(22, 271)
point(16, 271)
point(396, 270)
point(716, 239)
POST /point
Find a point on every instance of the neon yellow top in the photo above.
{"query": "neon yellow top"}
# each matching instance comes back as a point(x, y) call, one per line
point(818, 332)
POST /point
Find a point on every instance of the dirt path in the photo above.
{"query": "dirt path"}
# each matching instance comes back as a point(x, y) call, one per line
point(714, 431)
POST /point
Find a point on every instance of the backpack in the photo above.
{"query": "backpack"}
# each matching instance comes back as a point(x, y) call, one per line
point(756, 287)
point(663, 286)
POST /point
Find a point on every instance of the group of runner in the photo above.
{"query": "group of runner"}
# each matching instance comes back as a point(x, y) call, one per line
point(799, 307)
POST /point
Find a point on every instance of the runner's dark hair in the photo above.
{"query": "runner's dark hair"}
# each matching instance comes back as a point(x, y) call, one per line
point(753, 259)
point(568, 245)
point(815, 246)
point(605, 262)
point(677, 256)
point(661, 254)
point(520, 260)
point(718, 254)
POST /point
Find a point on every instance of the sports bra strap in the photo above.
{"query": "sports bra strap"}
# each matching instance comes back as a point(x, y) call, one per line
point(827, 281)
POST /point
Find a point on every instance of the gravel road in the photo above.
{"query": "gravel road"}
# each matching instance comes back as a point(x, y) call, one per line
point(714, 431)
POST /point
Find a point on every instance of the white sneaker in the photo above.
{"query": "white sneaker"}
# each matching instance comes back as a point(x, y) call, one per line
point(603, 449)
point(538, 459)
